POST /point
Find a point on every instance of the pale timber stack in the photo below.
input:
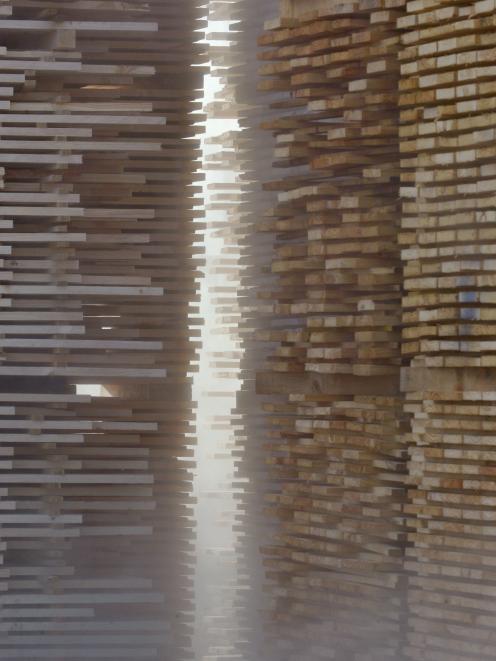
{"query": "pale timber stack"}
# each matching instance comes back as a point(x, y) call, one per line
point(97, 283)
point(337, 449)
point(448, 121)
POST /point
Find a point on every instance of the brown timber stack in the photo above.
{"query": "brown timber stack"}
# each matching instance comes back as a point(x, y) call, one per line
point(98, 277)
point(337, 449)
point(448, 121)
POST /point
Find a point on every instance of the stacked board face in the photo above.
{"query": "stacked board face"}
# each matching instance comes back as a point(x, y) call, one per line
point(377, 556)
point(448, 232)
point(336, 449)
point(97, 283)
point(451, 515)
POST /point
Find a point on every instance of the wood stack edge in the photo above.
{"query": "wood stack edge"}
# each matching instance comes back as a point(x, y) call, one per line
point(98, 277)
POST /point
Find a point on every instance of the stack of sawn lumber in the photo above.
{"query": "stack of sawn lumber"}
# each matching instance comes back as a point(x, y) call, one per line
point(97, 280)
point(448, 123)
point(337, 449)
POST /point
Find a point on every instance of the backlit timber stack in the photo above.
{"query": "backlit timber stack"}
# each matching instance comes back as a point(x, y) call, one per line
point(448, 238)
point(254, 149)
point(97, 279)
point(241, 162)
point(337, 450)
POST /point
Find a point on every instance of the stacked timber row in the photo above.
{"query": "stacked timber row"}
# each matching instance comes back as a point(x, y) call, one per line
point(97, 281)
point(254, 148)
point(336, 450)
point(448, 122)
